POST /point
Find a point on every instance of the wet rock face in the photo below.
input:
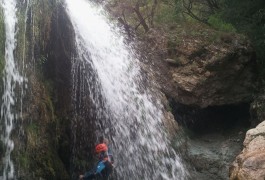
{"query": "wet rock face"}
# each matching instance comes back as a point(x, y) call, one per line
point(42, 151)
point(214, 137)
point(250, 164)
point(211, 154)
point(215, 75)
point(60, 50)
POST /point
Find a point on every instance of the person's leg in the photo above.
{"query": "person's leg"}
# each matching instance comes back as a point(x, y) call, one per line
point(88, 175)
point(107, 171)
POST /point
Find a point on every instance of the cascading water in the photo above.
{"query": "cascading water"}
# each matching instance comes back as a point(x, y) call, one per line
point(107, 70)
point(11, 78)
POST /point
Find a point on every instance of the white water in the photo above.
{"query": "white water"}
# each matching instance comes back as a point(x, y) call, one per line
point(125, 111)
point(11, 78)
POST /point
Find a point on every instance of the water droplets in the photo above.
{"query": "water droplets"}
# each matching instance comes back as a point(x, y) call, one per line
point(124, 108)
point(11, 78)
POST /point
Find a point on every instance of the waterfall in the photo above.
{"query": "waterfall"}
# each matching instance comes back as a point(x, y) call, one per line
point(11, 78)
point(107, 70)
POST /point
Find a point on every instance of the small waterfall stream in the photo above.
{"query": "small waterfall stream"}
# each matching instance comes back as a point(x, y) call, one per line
point(11, 78)
point(107, 70)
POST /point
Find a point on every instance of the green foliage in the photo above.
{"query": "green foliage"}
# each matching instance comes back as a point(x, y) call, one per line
point(33, 128)
point(216, 22)
point(41, 62)
point(165, 14)
point(41, 155)
point(23, 160)
point(248, 17)
point(241, 16)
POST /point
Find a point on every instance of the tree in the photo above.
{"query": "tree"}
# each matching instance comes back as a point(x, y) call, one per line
point(200, 9)
point(134, 14)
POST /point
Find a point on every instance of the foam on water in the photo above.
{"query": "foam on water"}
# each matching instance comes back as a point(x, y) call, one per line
point(127, 111)
point(11, 78)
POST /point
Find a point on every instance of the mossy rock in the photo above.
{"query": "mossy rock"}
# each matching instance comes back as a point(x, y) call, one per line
point(39, 157)
point(47, 165)
point(37, 152)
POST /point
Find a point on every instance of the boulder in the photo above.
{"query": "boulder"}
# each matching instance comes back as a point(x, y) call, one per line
point(216, 75)
point(250, 164)
point(197, 71)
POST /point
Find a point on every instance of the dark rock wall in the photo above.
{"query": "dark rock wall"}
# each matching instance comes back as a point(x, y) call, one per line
point(60, 50)
point(57, 70)
point(61, 136)
point(42, 135)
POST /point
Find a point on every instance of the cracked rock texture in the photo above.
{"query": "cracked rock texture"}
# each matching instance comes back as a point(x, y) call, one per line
point(250, 164)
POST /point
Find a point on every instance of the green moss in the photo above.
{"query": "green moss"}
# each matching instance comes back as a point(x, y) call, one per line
point(38, 157)
point(23, 160)
point(165, 15)
point(248, 17)
point(216, 22)
point(42, 162)
point(33, 128)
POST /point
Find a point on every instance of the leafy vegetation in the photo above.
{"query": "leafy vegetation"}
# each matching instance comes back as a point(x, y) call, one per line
point(218, 23)
point(230, 16)
point(134, 15)
point(248, 17)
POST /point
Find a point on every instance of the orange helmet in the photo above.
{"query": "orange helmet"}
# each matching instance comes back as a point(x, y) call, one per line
point(101, 148)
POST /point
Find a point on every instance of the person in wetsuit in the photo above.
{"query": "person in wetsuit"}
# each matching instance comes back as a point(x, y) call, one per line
point(105, 162)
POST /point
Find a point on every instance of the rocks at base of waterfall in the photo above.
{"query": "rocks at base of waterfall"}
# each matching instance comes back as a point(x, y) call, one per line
point(203, 73)
point(250, 164)
point(210, 155)
point(169, 121)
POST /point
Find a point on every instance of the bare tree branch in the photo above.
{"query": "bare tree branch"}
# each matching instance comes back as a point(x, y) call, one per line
point(152, 14)
point(188, 5)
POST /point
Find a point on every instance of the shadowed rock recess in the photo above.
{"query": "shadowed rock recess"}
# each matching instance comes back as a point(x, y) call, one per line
point(214, 137)
point(213, 89)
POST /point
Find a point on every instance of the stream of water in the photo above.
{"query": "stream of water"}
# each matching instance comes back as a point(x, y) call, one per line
point(11, 77)
point(107, 69)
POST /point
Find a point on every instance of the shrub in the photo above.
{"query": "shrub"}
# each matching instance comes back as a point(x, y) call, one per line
point(216, 22)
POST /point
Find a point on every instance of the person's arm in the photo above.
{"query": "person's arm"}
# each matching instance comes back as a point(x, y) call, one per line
point(110, 155)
